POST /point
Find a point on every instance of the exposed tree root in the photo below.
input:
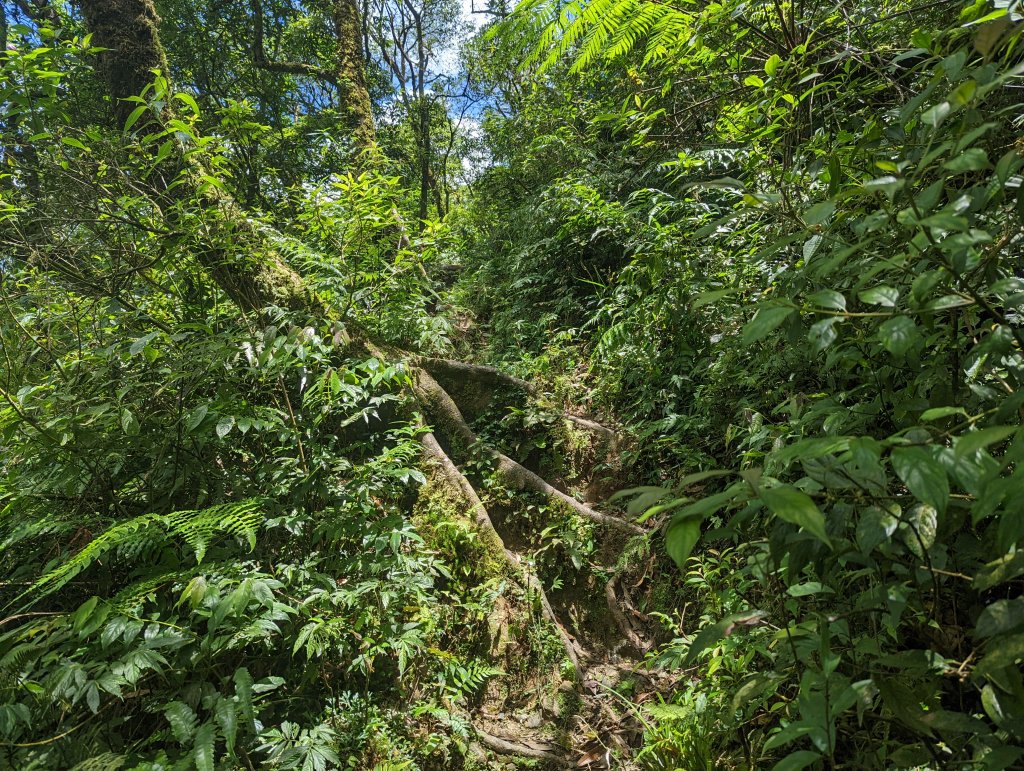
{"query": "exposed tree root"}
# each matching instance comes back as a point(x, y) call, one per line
point(458, 480)
point(492, 376)
point(480, 373)
point(537, 750)
point(620, 618)
point(443, 409)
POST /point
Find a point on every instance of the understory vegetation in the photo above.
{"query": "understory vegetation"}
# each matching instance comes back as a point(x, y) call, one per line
point(608, 384)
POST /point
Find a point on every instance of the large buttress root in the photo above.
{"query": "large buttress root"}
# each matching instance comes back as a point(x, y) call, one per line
point(493, 541)
point(491, 377)
point(446, 414)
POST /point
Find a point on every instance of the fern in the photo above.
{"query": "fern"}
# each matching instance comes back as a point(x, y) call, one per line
point(132, 539)
point(587, 30)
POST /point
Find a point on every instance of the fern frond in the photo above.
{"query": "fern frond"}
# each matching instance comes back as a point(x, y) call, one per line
point(132, 539)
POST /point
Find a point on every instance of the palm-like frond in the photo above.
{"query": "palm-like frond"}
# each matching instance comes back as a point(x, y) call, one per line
point(135, 538)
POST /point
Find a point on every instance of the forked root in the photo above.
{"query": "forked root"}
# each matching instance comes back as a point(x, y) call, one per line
point(445, 412)
point(494, 542)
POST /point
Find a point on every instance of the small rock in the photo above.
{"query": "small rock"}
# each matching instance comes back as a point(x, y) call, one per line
point(550, 704)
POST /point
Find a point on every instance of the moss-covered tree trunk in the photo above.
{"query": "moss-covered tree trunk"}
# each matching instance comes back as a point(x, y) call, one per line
point(351, 73)
point(237, 253)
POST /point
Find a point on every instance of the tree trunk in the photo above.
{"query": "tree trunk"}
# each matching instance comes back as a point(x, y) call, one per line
point(237, 252)
point(129, 30)
point(351, 73)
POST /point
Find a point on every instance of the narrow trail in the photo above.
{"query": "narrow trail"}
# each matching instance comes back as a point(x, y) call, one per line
point(577, 719)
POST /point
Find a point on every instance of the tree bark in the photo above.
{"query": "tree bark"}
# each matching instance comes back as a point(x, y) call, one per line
point(128, 29)
point(351, 73)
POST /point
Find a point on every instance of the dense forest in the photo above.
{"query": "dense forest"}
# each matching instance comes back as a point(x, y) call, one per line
point(600, 384)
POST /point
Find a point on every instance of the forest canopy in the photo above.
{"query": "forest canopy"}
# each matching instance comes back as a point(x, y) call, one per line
point(602, 384)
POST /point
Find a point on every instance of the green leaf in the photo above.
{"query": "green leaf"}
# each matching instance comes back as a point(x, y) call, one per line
point(224, 426)
point(1006, 652)
point(1000, 617)
point(204, 748)
point(795, 506)
point(920, 529)
point(922, 475)
point(182, 720)
point(709, 635)
point(823, 333)
point(934, 115)
point(134, 116)
point(128, 423)
point(707, 298)
point(189, 101)
point(72, 142)
point(819, 213)
point(874, 527)
point(767, 319)
point(195, 417)
point(809, 588)
point(139, 344)
point(811, 247)
point(898, 335)
point(828, 298)
point(974, 159)
point(880, 295)
point(937, 413)
point(1000, 571)
point(795, 761)
point(680, 538)
point(968, 444)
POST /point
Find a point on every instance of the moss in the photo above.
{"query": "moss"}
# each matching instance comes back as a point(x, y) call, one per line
point(460, 540)
point(128, 29)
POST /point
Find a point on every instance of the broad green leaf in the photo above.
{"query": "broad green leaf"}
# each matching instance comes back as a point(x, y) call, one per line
point(1003, 652)
point(224, 426)
point(189, 101)
point(875, 526)
point(968, 444)
point(710, 635)
point(923, 475)
point(974, 159)
point(828, 298)
point(227, 719)
point(819, 213)
point(898, 335)
point(809, 588)
point(72, 142)
point(204, 748)
point(880, 295)
point(182, 720)
point(823, 333)
point(796, 507)
point(920, 528)
point(937, 413)
point(680, 538)
point(129, 424)
point(766, 320)
point(1000, 617)
point(1000, 571)
point(795, 761)
point(195, 417)
point(707, 298)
